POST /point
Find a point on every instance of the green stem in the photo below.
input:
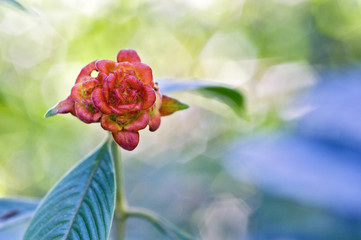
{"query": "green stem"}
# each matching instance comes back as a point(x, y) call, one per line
point(121, 206)
point(122, 211)
point(163, 225)
point(147, 215)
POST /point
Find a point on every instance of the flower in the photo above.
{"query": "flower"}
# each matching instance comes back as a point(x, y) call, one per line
point(122, 97)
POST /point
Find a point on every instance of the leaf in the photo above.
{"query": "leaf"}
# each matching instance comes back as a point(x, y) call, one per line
point(173, 85)
point(15, 4)
point(81, 204)
point(172, 231)
point(162, 224)
point(232, 97)
point(15, 211)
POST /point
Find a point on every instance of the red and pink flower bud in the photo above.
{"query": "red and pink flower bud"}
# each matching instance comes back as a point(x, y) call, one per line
point(122, 97)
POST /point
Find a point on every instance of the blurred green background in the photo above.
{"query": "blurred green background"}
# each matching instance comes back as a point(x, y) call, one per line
point(271, 50)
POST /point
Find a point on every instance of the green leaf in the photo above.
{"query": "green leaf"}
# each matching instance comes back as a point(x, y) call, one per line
point(173, 232)
point(162, 224)
point(230, 96)
point(15, 211)
point(81, 205)
point(15, 4)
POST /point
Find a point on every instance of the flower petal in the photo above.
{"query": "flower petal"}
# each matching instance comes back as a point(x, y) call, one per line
point(127, 140)
point(133, 82)
point(64, 106)
point(105, 66)
point(83, 90)
point(149, 97)
point(85, 73)
point(99, 101)
point(108, 124)
point(154, 114)
point(128, 55)
point(144, 73)
point(101, 77)
point(108, 86)
point(86, 116)
point(126, 67)
point(75, 92)
point(128, 107)
point(171, 105)
point(117, 111)
point(154, 121)
point(140, 123)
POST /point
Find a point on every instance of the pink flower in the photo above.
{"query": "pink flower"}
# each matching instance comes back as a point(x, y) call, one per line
point(123, 98)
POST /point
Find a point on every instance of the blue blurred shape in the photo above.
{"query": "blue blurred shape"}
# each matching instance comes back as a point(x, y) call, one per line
point(15, 214)
point(337, 109)
point(167, 85)
point(14, 210)
point(316, 159)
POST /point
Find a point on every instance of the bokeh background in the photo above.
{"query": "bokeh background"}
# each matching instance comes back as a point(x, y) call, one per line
point(289, 169)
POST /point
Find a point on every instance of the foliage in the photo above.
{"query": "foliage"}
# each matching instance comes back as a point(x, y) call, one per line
point(81, 205)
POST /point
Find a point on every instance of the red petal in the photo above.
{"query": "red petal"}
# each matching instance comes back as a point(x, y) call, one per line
point(128, 107)
point(85, 72)
point(138, 106)
point(86, 116)
point(118, 74)
point(133, 82)
point(149, 97)
point(105, 66)
point(154, 121)
point(101, 77)
point(126, 67)
point(117, 111)
point(108, 86)
point(127, 140)
point(128, 55)
point(79, 90)
point(140, 123)
point(99, 101)
point(171, 105)
point(108, 124)
point(144, 73)
point(76, 92)
point(123, 109)
point(64, 106)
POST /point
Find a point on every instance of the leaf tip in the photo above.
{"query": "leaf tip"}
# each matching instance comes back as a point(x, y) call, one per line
point(171, 105)
point(183, 106)
point(51, 112)
point(64, 106)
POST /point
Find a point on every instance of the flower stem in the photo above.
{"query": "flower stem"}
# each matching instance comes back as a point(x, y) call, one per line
point(123, 211)
point(121, 205)
point(163, 225)
point(147, 215)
